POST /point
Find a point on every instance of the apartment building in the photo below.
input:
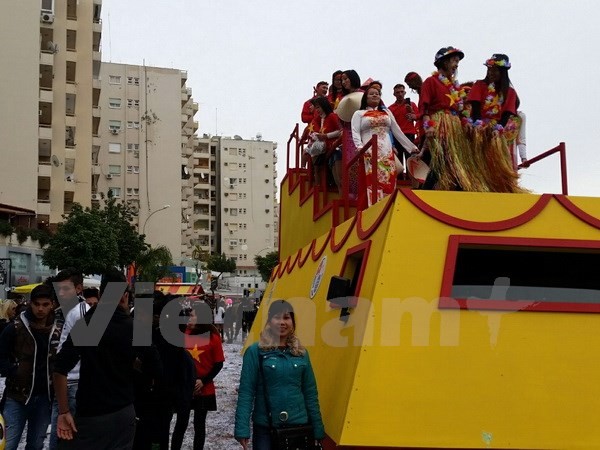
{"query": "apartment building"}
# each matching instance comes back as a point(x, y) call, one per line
point(145, 157)
point(49, 116)
point(247, 192)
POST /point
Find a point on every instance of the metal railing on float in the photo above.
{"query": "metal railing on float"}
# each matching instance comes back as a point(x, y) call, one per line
point(562, 151)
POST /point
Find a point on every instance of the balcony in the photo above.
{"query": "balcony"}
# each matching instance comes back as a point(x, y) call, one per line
point(44, 170)
point(47, 58)
point(183, 77)
point(43, 207)
point(45, 132)
point(46, 96)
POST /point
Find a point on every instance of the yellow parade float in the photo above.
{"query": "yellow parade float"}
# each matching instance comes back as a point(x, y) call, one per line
point(444, 319)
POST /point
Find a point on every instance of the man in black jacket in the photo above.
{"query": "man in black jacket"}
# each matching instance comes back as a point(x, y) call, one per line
point(105, 414)
point(27, 349)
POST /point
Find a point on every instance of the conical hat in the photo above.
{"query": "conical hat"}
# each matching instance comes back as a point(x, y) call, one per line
point(348, 106)
point(417, 169)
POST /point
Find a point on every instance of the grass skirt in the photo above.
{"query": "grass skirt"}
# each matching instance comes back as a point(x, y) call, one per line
point(475, 159)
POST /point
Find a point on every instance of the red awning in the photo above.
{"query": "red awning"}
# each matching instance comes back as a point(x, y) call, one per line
point(179, 289)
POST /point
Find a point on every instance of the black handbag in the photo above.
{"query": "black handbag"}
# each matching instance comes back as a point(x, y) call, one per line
point(293, 437)
point(287, 437)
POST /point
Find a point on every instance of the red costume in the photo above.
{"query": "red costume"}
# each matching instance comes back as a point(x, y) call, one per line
point(492, 105)
point(205, 353)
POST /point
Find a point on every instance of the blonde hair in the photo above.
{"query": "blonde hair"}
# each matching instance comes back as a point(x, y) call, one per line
point(5, 305)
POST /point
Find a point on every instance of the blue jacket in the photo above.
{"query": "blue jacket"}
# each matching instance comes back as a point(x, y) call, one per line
point(291, 387)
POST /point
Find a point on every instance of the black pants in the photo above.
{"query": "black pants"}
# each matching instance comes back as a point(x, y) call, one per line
point(112, 431)
point(183, 418)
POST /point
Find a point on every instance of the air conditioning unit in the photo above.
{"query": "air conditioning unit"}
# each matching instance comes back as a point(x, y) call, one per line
point(47, 17)
point(114, 131)
point(109, 176)
point(95, 197)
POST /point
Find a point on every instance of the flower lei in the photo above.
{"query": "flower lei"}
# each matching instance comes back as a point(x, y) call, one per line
point(493, 102)
point(457, 94)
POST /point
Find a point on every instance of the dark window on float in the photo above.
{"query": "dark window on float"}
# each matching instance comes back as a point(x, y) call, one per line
point(521, 274)
point(344, 289)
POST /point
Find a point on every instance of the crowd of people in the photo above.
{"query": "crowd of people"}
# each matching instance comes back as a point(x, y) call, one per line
point(470, 135)
point(109, 369)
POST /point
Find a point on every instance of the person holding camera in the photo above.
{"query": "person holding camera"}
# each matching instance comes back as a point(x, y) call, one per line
point(406, 114)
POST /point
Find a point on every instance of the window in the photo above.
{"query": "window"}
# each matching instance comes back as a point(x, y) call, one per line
point(233, 211)
point(242, 152)
point(133, 81)
point(233, 152)
point(136, 169)
point(129, 191)
point(131, 103)
point(131, 147)
point(114, 125)
point(129, 169)
point(20, 261)
point(133, 124)
point(114, 79)
point(114, 102)
point(243, 211)
point(136, 191)
point(521, 274)
point(114, 147)
point(233, 196)
point(116, 191)
point(114, 170)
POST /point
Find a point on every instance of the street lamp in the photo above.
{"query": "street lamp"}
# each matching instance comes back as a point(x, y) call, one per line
point(151, 214)
point(263, 249)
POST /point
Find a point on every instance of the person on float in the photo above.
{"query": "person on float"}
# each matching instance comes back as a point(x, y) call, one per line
point(374, 119)
point(406, 113)
point(494, 104)
point(441, 106)
point(347, 106)
point(326, 130)
point(335, 89)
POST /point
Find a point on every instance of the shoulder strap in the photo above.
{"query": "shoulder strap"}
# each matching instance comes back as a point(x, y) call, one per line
point(266, 395)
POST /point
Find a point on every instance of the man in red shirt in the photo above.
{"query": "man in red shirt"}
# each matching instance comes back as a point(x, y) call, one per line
point(405, 113)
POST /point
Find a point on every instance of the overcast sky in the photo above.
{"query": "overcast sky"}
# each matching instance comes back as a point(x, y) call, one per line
point(252, 63)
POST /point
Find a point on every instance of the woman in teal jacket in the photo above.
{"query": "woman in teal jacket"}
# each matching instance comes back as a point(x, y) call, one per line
point(289, 378)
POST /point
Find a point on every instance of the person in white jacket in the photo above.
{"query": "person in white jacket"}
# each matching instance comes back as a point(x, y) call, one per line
point(374, 119)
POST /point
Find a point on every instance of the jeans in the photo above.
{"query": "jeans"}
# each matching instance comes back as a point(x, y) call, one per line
point(71, 393)
point(37, 416)
point(261, 438)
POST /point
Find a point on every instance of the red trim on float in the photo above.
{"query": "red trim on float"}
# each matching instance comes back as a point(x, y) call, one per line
point(291, 266)
point(446, 301)
point(566, 203)
point(477, 226)
point(336, 247)
point(364, 234)
point(283, 267)
point(320, 252)
point(301, 262)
